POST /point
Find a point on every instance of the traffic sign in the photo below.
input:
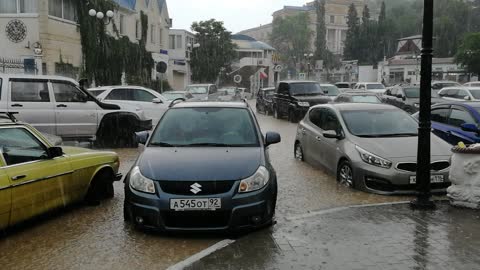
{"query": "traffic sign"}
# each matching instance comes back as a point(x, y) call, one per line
point(278, 68)
point(237, 78)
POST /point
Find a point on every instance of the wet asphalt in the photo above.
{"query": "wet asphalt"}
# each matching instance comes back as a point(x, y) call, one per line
point(97, 238)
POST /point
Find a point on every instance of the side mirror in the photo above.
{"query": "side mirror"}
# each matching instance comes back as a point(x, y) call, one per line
point(467, 98)
point(54, 152)
point(331, 134)
point(272, 138)
point(470, 128)
point(142, 137)
point(157, 100)
point(441, 94)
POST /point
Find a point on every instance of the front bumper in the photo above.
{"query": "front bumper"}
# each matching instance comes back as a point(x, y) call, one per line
point(392, 181)
point(239, 211)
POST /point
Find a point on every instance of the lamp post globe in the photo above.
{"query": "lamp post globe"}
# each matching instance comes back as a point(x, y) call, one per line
point(196, 45)
point(92, 12)
point(110, 14)
point(100, 15)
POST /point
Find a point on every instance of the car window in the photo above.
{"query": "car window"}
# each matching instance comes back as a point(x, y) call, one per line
point(213, 89)
point(172, 96)
point(440, 115)
point(197, 89)
point(393, 92)
point(121, 94)
point(19, 146)
point(330, 121)
point(330, 90)
point(361, 86)
point(283, 89)
point(29, 91)
point(461, 94)
point(315, 116)
point(459, 117)
point(96, 92)
point(205, 127)
point(475, 93)
point(66, 92)
point(142, 95)
point(372, 86)
point(305, 89)
point(1, 87)
point(451, 93)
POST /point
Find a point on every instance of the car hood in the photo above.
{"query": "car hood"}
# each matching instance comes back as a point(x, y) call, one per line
point(199, 163)
point(400, 147)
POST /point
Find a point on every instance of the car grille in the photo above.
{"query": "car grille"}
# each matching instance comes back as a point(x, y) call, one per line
point(207, 187)
point(197, 219)
point(412, 167)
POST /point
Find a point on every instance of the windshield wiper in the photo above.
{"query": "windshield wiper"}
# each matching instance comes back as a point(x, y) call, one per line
point(162, 144)
point(209, 144)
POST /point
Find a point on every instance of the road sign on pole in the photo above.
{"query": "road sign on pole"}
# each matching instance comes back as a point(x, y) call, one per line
point(237, 78)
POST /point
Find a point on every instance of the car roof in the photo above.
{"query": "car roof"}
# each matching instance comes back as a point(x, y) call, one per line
point(108, 87)
point(295, 81)
point(357, 106)
point(444, 82)
point(210, 104)
point(474, 104)
point(370, 82)
point(44, 77)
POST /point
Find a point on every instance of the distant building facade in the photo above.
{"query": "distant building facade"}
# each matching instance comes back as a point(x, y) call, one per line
point(180, 46)
point(261, 33)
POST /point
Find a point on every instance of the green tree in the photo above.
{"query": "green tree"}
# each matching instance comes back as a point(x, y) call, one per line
point(365, 14)
point(291, 36)
point(353, 33)
point(216, 51)
point(468, 54)
point(382, 31)
point(320, 41)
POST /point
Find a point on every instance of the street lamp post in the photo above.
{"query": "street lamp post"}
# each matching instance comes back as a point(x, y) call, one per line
point(93, 13)
point(308, 56)
point(423, 200)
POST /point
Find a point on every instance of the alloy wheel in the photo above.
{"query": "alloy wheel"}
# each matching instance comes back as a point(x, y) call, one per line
point(298, 152)
point(346, 176)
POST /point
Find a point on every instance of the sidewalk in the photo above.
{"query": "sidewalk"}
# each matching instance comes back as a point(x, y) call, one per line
point(371, 237)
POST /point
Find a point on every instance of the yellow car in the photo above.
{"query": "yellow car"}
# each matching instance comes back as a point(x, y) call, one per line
point(36, 177)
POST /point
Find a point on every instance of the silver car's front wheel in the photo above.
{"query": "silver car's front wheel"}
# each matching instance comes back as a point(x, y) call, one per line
point(299, 152)
point(345, 174)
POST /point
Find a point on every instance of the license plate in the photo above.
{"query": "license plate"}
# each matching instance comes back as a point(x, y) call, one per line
point(433, 179)
point(211, 204)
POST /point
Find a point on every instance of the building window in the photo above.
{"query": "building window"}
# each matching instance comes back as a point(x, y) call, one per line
point(410, 73)
point(171, 42)
point(179, 42)
point(121, 24)
point(64, 9)
point(137, 29)
point(160, 34)
point(152, 34)
point(18, 6)
point(332, 19)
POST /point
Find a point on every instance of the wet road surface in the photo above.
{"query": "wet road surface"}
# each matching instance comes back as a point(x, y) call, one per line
point(97, 237)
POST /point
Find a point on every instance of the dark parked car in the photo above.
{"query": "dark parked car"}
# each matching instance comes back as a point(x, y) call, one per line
point(357, 97)
point(407, 97)
point(205, 167)
point(265, 100)
point(345, 85)
point(456, 122)
point(293, 99)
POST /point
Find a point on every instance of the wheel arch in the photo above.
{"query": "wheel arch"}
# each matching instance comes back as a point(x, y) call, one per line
point(99, 170)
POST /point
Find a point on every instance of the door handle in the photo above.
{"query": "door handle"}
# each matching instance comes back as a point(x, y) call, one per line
point(18, 177)
point(318, 138)
point(17, 105)
point(61, 106)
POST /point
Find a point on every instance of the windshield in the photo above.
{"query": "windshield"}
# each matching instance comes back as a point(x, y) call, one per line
point(172, 96)
point(305, 89)
point(229, 91)
point(96, 92)
point(373, 86)
point(365, 99)
point(205, 126)
point(330, 90)
point(380, 123)
point(195, 90)
point(342, 85)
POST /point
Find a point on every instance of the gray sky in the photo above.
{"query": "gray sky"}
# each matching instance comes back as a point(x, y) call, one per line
point(236, 14)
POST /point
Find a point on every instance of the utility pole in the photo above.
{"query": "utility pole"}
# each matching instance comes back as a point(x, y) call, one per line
point(423, 200)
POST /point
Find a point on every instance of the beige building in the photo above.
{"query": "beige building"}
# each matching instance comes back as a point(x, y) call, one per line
point(336, 13)
point(180, 46)
point(46, 32)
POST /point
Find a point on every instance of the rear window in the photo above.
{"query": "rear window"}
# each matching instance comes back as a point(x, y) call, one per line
point(373, 86)
point(342, 85)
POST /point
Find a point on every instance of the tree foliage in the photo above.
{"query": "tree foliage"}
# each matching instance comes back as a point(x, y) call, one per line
point(291, 36)
point(320, 40)
point(353, 33)
point(468, 54)
point(216, 51)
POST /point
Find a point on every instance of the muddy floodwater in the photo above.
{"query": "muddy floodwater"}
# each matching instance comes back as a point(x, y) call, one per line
point(97, 237)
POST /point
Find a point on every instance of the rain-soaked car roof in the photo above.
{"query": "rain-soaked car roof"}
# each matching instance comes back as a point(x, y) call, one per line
point(359, 106)
point(210, 104)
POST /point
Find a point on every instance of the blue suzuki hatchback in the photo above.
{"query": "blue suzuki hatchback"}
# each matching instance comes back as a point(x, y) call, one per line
point(456, 122)
point(205, 167)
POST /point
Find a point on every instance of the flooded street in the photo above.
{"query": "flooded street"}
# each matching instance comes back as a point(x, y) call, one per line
point(98, 238)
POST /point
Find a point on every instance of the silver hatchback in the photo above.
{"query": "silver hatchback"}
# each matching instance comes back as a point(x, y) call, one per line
point(371, 147)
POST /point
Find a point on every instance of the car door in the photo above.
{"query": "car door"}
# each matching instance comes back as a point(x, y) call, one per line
point(439, 117)
point(5, 199)
point(75, 112)
point(153, 110)
point(462, 94)
point(282, 99)
point(311, 133)
point(328, 146)
point(459, 116)
point(33, 101)
point(38, 183)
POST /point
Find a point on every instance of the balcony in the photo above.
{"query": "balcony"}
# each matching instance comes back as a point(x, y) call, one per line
point(250, 61)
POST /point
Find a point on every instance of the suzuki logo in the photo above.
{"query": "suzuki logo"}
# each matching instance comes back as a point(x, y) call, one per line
point(196, 188)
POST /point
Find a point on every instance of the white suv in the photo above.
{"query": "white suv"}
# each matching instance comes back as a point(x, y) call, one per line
point(56, 105)
point(374, 87)
point(151, 102)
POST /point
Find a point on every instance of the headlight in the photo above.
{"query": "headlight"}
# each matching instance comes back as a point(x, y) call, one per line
point(255, 182)
point(416, 105)
point(372, 159)
point(141, 183)
point(303, 104)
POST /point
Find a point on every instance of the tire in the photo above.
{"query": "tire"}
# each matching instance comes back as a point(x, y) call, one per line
point(345, 174)
point(298, 152)
point(117, 130)
point(100, 188)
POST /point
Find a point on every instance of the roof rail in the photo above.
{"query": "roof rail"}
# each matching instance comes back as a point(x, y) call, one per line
point(176, 101)
point(9, 115)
